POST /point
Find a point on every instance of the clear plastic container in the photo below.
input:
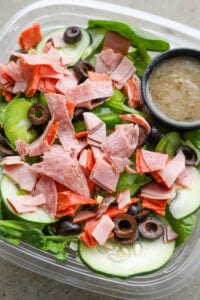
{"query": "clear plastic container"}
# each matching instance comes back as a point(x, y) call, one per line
point(178, 272)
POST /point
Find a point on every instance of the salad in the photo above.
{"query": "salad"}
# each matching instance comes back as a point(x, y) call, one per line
point(85, 166)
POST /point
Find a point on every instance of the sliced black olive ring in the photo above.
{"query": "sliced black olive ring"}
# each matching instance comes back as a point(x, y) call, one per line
point(38, 114)
point(125, 228)
point(151, 228)
point(65, 227)
point(72, 35)
point(81, 69)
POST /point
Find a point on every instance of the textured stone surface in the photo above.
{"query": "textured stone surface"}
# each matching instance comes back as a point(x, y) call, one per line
point(19, 284)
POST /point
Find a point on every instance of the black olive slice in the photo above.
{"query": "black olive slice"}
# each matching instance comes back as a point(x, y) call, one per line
point(134, 209)
point(14, 57)
point(4, 151)
point(151, 228)
point(156, 134)
point(66, 227)
point(38, 114)
point(72, 35)
point(78, 114)
point(125, 226)
point(190, 155)
point(126, 241)
point(143, 136)
point(81, 69)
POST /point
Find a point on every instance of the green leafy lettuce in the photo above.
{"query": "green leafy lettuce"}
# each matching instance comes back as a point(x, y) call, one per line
point(32, 233)
point(183, 227)
point(139, 38)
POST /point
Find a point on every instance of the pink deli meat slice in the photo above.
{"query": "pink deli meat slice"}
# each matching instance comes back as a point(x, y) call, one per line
point(63, 166)
point(11, 160)
point(172, 170)
point(47, 187)
point(26, 203)
point(107, 61)
point(84, 215)
point(123, 141)
point(103, 229)
point(155, 190)
point(123, 198)
point(103, 206)
point(38, 147)
point(154, 161)
point(59, 113)
point(187, 178)
point(97, 129)
point(22, 174)
point(66, 83)
point(132, 89)
point(124, 71)
point(90, 90)
point(104, 175)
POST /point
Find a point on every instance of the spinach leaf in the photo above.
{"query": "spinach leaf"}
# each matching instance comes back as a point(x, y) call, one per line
point(139, 37)
point(118, 96)
point(169, 143)
point(194, 137)
point(140, 60)
point(34, 237)
point(132, 181)
point(183, 227)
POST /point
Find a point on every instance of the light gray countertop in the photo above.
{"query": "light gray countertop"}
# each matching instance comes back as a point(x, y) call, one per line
point(20, 284)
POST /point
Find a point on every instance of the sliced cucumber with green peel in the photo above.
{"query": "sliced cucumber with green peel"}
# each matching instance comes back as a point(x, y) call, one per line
point(71, 51)
point(9, 188)
point(97, 35)
point(16, 122)
point(187, 201)
point(124, 261)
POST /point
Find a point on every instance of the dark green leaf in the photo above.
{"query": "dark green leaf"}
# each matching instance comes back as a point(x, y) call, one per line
point(132, 181)
point(140, 61)
point(169, 143)
point(34, 237)
point(139, 37)
point(183, 227)
point(118, 96)
point(193, 136)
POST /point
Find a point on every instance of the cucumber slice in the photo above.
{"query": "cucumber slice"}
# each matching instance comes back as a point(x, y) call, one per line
point(124, 261)
point(16, 122)
point(187, 201)
point(74, 51)
point(8, 188)
point(97, 35)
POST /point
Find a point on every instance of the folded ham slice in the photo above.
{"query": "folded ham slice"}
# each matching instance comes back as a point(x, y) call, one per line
point(104, 205)
point(123, 72)
point(90, 90)
point(26, 203)
point(39, 146)
point(22, 174)
point(58, 109)
point(11, 160)
point(103, 229)
point(47, 187)
point(155, 190)
point(104, 175)
point(187, 177)
point(172, 170)
point(123, 198)
point(96, 129)
point(123, 141)
point(132, 89)
point(63, 166)
point(107, 61)
point(150, 161)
